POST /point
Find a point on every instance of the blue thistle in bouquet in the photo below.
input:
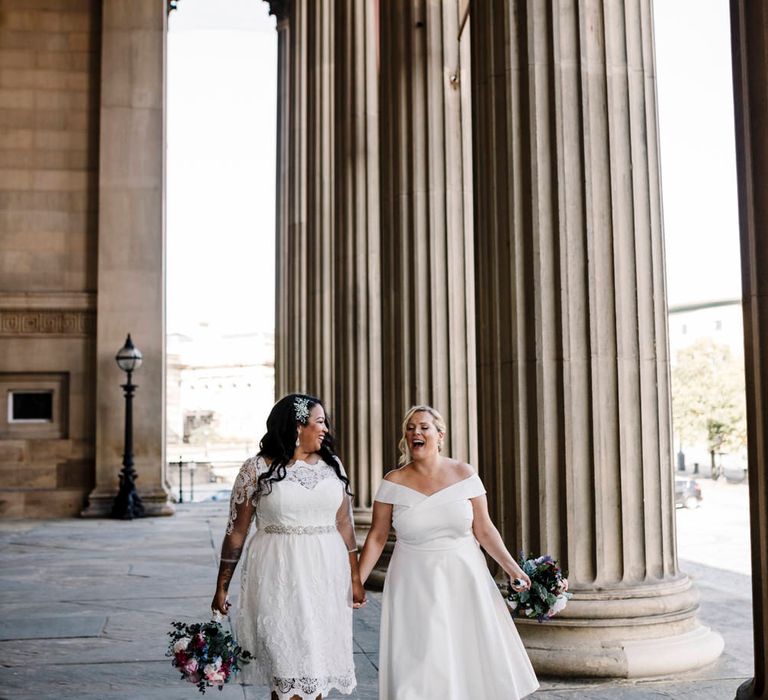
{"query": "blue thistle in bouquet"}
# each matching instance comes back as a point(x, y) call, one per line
point(548, 594)
point(205, 654)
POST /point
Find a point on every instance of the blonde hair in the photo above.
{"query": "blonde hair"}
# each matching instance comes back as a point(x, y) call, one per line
point(405, 450)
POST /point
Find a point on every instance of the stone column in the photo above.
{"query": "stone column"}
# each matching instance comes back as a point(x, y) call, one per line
point(358, 400)
point(283, 367)
point(131, 259)
point(749, 35)
point(328, 336)
point(426, 222)
point(305, 331)
point(575, 429)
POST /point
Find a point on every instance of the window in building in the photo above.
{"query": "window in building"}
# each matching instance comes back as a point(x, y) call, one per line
point(30, 406)
point(33, 406)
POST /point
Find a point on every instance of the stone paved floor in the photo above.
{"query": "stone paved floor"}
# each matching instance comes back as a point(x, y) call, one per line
point(86, 604)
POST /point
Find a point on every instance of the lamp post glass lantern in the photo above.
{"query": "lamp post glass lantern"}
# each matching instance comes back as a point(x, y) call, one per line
point(127, 503)
point(129, 357)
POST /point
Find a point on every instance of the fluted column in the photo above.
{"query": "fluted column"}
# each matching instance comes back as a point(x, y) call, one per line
point(284, 300)
point(305, 247)
point(358, 400)
point(426, 225)
point(749, 35)
point(328, 315)
point(571, 320)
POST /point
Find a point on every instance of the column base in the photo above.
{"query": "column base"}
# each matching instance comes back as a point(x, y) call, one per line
point(748, 691)
point(156, 503)
point(632, 633)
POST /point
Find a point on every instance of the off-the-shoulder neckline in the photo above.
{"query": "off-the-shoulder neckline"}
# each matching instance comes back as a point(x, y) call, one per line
point(434, 493)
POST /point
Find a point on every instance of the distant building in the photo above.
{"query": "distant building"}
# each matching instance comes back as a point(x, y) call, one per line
point(719, 320)
point(220, 388)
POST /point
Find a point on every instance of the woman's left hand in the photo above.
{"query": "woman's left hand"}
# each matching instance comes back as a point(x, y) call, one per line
point(520, 581)
point(358, 595)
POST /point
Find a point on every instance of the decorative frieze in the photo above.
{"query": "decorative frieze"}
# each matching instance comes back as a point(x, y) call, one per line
point(67, 322)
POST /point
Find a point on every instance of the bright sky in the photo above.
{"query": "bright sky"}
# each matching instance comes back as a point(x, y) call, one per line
point(222, 87)
point(221, 168)
point(698, 166)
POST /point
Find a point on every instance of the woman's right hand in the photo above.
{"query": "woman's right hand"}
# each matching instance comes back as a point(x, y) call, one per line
point(220, 603)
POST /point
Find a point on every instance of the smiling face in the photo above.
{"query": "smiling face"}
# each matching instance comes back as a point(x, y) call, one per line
point(312, 434)
point(423, 436)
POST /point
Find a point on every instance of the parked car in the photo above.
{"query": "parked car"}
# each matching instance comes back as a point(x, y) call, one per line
point(220, 495)
point(687, 493)
point(735, 474)
point(735, 467)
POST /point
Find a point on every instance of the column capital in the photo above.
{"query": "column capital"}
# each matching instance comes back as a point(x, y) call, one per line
point(279, 8)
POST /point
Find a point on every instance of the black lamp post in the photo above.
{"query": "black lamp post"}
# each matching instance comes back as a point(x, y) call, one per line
point(127, 503)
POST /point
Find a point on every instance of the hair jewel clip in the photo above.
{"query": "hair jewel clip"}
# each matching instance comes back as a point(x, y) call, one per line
point(301, 409)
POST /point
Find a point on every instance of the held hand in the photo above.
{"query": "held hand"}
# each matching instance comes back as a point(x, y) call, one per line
point(520, 581)
point(358, 595)
point(220, 603)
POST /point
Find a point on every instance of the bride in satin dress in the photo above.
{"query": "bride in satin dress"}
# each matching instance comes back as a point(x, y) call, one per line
point(446, 632)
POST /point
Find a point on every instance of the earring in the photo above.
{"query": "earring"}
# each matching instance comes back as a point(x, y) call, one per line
point(298, 442)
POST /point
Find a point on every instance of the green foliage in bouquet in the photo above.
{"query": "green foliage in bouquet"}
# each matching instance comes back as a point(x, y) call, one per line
point(205, 653)
point(548, 594)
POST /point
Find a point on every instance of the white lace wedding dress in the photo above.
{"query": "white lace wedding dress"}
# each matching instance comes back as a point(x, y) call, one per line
point(295, 608)
point(446, 632)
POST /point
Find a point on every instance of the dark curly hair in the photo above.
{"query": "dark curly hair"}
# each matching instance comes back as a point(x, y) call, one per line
point(279, 441)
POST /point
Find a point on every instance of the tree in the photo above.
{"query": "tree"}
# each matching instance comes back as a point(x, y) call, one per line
point(708, 397)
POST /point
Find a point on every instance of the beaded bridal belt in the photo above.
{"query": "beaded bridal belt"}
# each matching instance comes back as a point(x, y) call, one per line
point(299, 529)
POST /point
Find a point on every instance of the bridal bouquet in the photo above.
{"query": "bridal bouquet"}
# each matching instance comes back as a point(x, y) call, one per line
point(548, 593)
point(205, 654)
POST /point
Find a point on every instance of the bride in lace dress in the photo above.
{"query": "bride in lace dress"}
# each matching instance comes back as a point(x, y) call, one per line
point(300, 579)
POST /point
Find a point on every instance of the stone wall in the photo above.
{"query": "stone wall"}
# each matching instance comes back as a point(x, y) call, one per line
point(49, 114)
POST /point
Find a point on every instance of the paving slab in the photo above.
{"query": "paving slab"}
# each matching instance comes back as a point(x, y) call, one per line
point(53, 627)
point(85, 606)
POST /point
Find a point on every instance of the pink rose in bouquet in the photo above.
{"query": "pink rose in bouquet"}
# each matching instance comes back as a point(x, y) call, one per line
point(190, 666)
point(215, 674)
point(182, 644)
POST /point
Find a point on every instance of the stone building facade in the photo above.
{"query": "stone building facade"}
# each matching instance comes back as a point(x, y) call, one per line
point(468, 214)
point(49, 193)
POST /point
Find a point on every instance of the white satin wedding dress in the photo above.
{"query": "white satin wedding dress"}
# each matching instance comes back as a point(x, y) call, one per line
point(446, 632)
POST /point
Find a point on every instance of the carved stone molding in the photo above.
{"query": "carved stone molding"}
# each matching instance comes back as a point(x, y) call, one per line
point(50, 322)
point(45, 301)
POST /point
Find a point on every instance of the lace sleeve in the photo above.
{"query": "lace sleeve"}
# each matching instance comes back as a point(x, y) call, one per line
point(345, 521)
point(242, 502)
point(241, 511)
